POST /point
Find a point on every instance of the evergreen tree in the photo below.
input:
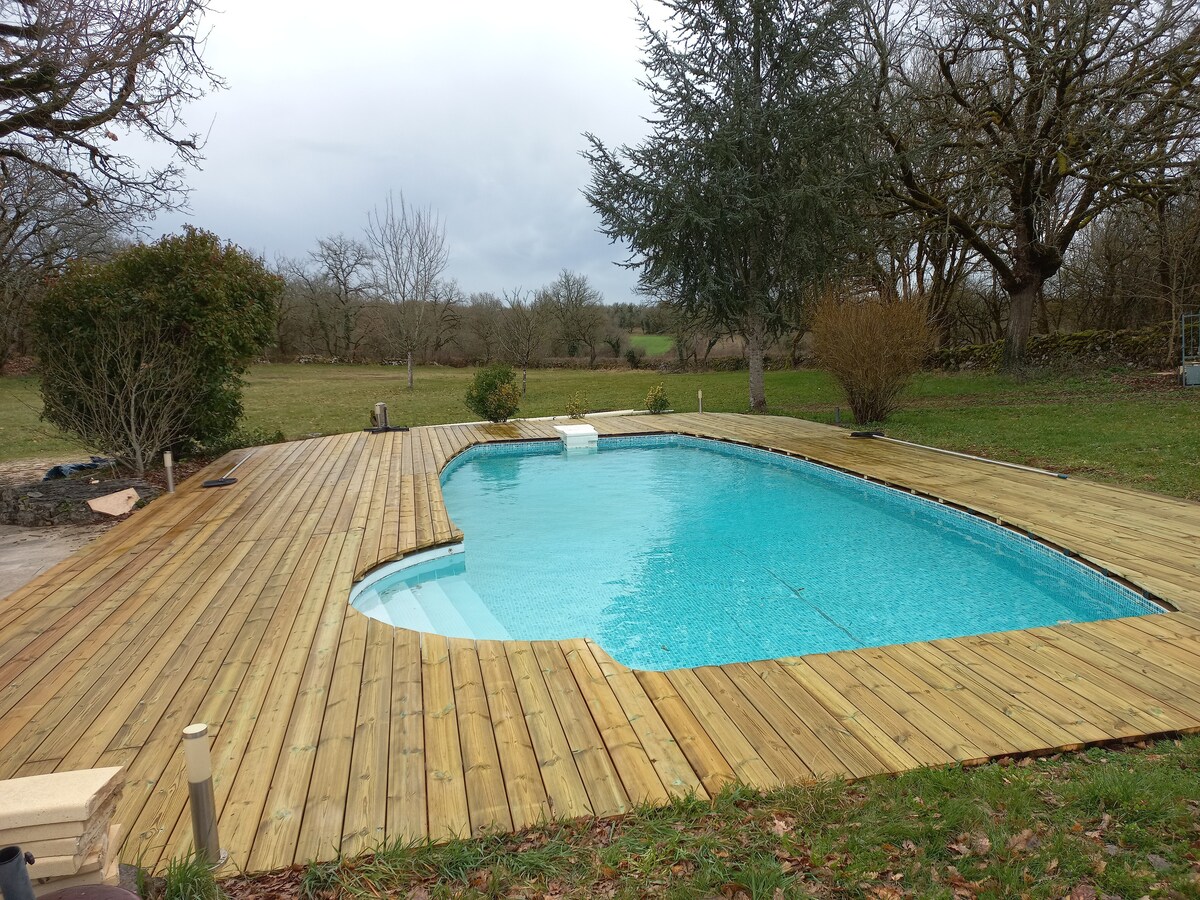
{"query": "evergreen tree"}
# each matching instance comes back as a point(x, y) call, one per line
point(741, 199)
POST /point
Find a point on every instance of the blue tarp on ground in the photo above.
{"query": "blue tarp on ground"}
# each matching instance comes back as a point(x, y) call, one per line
point(66, 470)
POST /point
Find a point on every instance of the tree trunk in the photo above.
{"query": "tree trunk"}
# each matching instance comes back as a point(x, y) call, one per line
point(410, 379)
point(1021, 302)
point(754, 354)
point(524, 377)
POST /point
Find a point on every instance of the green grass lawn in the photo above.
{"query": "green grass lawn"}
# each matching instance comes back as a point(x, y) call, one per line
point(1122, 429)
point(1116, 824)
point(653, 344)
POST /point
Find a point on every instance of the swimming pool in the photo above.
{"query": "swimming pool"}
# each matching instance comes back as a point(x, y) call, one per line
point(673, 551)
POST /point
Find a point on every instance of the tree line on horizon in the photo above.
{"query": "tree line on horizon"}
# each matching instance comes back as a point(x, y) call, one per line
point(1013, 167)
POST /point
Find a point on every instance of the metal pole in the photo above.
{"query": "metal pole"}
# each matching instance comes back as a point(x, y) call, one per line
point(200, 794)
point(169, 465)
point(14, 877)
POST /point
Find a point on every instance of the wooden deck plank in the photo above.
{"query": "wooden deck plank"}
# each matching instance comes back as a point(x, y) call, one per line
point(738, 749)
point(891, 754)
point(407, 816)
point(445, 788)
point(819, 739)
point(487, 797)
point(333, 733)
point(600, 779)
point(674, 771)
point(366, 795)
point(527, 800)
point(629, 758)
point(565, 793)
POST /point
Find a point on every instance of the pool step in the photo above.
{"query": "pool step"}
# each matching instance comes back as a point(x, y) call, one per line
point(450, 607)
point(484, 625)
point(439, 609)
point(402, 610)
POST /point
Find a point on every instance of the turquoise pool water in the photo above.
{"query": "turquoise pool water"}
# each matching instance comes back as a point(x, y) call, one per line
point(672, 551)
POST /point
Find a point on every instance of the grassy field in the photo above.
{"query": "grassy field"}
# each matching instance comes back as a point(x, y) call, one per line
point(1126, 429)
point(653, 344)
point(1100, 824)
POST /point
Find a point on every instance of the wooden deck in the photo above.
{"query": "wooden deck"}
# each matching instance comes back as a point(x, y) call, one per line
point(334, 732)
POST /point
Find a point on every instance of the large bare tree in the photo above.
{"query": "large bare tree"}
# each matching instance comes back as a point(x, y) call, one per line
point(76, 76)
point(41, 229)
point(1049, 111)
point(578, 310)
point(335, 284)
point(523, 328)
point(409, 255)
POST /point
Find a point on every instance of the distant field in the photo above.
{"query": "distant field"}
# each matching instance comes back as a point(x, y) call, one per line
point(653, 344)
point(1124, 429)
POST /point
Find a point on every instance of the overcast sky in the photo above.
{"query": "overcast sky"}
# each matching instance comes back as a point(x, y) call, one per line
point(473, 107)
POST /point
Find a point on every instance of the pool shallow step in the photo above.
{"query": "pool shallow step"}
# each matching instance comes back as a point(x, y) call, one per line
point(439, 610)
point(402, 609)
point(484, 625)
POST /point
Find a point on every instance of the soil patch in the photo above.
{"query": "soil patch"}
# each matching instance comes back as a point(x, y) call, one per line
point(64, 501)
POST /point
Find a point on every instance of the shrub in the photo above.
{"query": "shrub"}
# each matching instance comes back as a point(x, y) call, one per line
point(240, 438)
point(493, 394)
point(577, 406)
point(634, 356)
point(871, 349)
point(656, 400)
point(146, 351)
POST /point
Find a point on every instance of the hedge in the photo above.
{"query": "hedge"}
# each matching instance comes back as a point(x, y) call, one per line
point(1142, 348)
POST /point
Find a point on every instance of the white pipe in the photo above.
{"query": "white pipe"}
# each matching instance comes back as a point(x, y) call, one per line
point(994, 462)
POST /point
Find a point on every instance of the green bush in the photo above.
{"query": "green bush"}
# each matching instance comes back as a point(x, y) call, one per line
point(493, 394)
point(656, 400)
point(577, 406)
point(238, 439)
point(146, 351)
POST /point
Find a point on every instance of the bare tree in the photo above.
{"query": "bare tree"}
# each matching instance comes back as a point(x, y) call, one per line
point(484, 323)
point(578, 310)
point(523, 328)
point(140, 387)
point(76, 75)
point(1054, 111)
point(41, 229)
point(335, 284)
point(409, 255)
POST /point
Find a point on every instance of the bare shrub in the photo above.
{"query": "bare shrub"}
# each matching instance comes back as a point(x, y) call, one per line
point(871, 348)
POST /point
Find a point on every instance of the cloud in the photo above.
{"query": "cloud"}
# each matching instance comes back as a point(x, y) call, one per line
point(476, 109)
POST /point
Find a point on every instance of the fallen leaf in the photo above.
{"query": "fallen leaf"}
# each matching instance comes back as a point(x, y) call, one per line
point(782, 826)
point(1022, 841)
point(1083, 892)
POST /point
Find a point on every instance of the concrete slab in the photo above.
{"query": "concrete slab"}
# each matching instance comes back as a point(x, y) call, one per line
point(27, 552)
point(57, 797)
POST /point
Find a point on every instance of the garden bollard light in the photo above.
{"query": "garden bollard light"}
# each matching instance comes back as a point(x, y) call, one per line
point(169, 465)
point(200, 794)
point(700, 401)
